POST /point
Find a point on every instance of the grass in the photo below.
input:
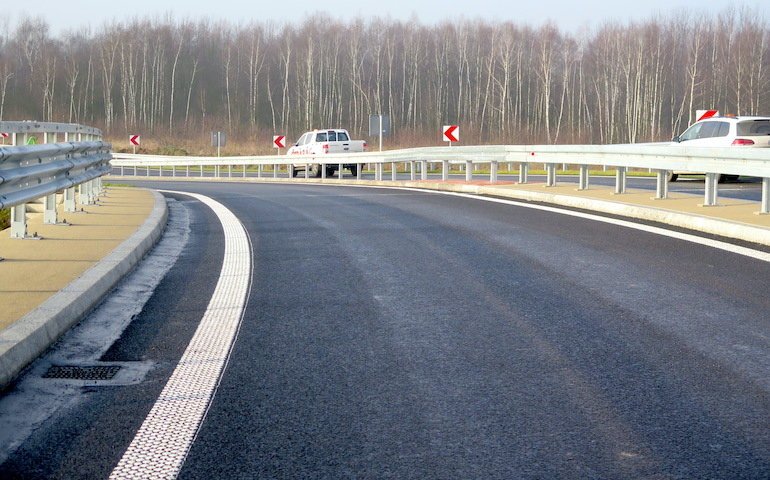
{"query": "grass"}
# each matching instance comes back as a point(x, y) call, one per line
point(5, 219)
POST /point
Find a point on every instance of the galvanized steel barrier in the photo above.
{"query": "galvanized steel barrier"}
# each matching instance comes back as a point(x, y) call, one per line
point(37, 172)
point(660, 158)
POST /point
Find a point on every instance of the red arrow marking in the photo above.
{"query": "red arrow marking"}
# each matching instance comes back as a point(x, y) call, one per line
point(279, 141)
point(449, 133)
point(134, 139)
point(708, 114)
point(4, 135)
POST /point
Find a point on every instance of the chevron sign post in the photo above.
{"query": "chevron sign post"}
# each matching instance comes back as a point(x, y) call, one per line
point(451, 133)
point(135, 141)
point(279, 142)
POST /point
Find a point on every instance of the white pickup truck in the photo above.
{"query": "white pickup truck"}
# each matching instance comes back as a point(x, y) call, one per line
point(322, 142)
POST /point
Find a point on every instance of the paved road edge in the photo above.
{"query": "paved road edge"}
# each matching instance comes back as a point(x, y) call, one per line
point(23, 341)
point(699, 223)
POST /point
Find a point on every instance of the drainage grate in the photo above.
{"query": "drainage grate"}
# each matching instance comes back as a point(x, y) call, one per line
point(101, 372)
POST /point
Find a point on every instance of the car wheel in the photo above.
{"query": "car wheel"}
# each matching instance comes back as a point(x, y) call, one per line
point(354, 170)
point(315, 171)
point(672, 176)
point(727, 178)
point(329, 172)
point(293, 172)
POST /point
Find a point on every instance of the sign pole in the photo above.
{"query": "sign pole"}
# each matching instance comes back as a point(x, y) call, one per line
point(380, 132)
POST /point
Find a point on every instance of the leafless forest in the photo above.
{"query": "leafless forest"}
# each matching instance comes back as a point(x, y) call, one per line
point(502, 82)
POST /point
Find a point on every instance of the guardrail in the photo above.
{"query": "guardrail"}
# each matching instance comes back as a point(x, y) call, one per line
point(663, 159)
point(37, 172)
point(19, 133)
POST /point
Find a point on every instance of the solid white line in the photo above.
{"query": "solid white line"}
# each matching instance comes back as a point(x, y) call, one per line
point(728, 247)
point(161, 445)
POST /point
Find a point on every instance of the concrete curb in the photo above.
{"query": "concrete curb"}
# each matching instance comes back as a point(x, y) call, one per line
point(27, 338)
point(699, 223)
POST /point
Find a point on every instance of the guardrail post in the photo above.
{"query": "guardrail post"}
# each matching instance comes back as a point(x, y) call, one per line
point(259, 171)
point(49, 214)
point(765, 196)
point(523, 172)
point(583, 181)
point(445, 170)
point(19, 221)
point(339, 172)
point(91, 192)
point(493, 172)
point(412, 171)
point(393, 172)
point(173, 171)
point(661, 190)
point(229, 171)
point(323, 171)
point(275, 171)
point(620, 180)
point(550, 175)
point(85, 198)
point(711, 190)
point(359, 168)
point(423, 170)
point(69, 199)
point(468, 170)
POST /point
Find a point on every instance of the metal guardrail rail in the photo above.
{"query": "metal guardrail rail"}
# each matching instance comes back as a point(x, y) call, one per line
point(34, 172)
point(20, 132)
point(659, 158)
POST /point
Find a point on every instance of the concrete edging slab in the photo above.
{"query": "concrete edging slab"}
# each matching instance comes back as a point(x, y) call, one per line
point(27, 338)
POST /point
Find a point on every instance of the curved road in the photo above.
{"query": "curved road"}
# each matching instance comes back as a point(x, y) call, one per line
point(405, 334)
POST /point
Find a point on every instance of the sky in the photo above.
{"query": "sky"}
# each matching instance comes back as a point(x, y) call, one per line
point(568, 15)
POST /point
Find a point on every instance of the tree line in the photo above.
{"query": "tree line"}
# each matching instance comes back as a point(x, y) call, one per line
point(502, 82)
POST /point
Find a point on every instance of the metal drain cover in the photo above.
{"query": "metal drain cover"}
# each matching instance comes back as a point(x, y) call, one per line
point(97, 372)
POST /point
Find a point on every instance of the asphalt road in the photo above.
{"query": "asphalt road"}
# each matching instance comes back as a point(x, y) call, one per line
point(402, 334)
point(745, 188)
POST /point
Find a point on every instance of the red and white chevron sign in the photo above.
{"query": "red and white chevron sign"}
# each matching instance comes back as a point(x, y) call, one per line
point(135, 140)
point(4, 135)
point(279, 141)
point(704, 114)
point(451, 133)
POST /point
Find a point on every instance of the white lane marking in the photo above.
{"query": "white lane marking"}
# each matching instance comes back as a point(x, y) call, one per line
point(728, 247)
point(163, 441)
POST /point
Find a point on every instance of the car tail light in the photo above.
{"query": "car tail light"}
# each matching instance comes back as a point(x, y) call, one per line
point(326, 147)
point(742, 141)
point(365, 145)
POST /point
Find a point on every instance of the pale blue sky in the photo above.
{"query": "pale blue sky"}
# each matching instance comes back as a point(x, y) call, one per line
point(569, 15)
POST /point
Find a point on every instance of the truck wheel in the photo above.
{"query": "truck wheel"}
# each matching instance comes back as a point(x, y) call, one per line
point(315, 171)
point(672, 176)
point(293, 172)
point(354, 170)
point(329, 172)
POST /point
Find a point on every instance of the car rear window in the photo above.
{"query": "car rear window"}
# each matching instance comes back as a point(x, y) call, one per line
point(754, 128)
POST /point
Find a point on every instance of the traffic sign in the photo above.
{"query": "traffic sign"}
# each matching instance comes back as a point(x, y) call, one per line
point(279, 141)
point(704, 114)
point(135, 140)
point(451, 133)
point(4, 135)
